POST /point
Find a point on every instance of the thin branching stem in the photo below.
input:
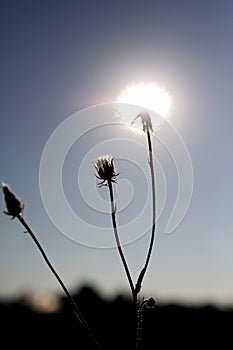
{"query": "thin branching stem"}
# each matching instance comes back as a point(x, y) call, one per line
point(143, 271)
point(77, 313)
point(113, 212)
point(133, 290)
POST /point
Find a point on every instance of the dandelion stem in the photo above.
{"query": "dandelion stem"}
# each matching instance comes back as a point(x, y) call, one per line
point(113, 207)
point(143, 271)
point(74, 306)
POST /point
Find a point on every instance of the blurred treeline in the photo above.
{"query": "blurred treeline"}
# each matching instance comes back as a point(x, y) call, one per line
point(112, 322)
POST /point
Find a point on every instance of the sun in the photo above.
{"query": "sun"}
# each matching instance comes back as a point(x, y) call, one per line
point(144, 96)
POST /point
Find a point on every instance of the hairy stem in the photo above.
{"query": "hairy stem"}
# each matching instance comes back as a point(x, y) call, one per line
point(74, 306)
point(139, 325)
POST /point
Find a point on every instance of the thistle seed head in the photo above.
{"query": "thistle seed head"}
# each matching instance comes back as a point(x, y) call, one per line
point(105, 170)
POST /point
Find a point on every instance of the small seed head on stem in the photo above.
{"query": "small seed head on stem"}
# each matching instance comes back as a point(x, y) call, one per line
point(150, 303)
point(146, 121)
point(105, 170)
point(14, 206)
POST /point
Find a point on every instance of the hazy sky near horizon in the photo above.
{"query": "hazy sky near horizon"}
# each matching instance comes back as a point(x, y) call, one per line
point(61, 57)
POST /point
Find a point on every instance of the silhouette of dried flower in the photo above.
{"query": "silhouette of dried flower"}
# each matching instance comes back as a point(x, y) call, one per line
point(146, 121)
point(105, 170)
point(14, 205)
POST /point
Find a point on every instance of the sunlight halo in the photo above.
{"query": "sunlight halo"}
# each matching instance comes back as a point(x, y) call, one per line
point(146, 96)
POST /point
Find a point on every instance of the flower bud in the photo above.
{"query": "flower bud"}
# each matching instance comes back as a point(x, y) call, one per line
point(14, 205)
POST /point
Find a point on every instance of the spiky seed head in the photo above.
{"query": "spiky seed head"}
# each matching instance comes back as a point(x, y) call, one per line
point(105, 169)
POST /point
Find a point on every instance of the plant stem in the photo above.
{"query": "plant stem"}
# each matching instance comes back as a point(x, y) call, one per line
point(74, 306)
point(143, 271)
point(139, 325)
point(133, 290)
point(113, 209)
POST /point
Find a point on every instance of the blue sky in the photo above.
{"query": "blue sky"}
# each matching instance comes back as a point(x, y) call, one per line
point(60, 57)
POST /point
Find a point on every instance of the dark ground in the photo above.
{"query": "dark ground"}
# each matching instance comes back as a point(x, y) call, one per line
point(170, 326)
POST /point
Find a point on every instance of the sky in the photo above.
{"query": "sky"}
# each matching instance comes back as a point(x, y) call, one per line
point(68, 60)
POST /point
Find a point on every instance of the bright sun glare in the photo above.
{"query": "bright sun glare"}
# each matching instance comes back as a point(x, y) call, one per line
point(146, 96)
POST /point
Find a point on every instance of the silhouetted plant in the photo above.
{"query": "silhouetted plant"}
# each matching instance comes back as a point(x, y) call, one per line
point(15, 207)
point(106, 172)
